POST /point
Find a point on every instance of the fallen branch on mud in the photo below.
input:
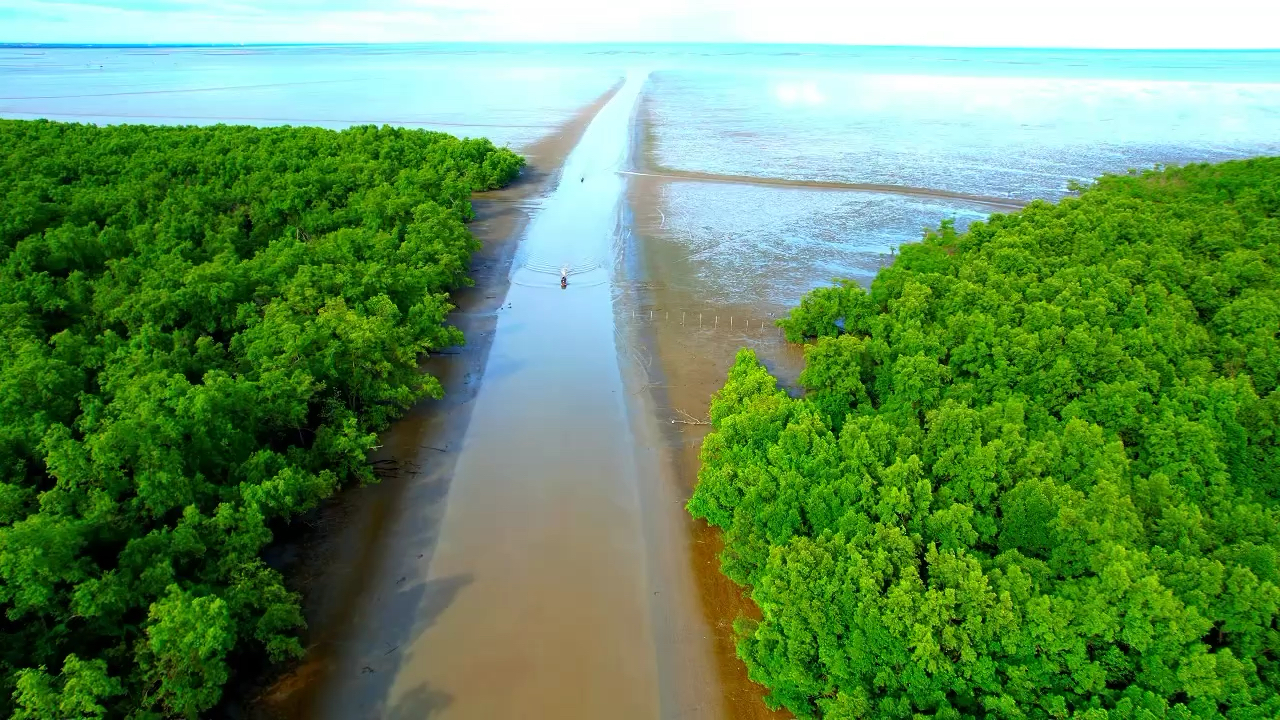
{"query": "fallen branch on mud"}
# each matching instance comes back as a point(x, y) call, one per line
point(688, 419)
point(647, 386)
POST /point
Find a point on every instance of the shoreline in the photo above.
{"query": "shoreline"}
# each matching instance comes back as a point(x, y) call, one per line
point(336, 561)
point(678, 364)
point(690, 680)
point(681, 362)
point(672, 368)
point(700, 604)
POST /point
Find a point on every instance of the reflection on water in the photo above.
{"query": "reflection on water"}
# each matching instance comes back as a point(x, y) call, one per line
point(541, 539)
point(1023, 137)
point(743, 244)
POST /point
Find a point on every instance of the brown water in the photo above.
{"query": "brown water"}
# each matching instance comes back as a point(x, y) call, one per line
point(533, 604)
point(535, 597)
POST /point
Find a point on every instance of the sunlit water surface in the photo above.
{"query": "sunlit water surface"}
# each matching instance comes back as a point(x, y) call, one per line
point(743, 244)
point(1006, 123)
point(511, 98)
point(1019, 124)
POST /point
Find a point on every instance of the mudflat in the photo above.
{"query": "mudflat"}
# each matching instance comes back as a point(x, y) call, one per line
point(680, 347)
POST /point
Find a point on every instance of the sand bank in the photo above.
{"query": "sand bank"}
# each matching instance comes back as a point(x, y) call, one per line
point(990, 201)
point(675, 359)
point(675, 367)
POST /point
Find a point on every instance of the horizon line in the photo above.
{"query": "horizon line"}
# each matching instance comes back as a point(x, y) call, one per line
point(1053, 48)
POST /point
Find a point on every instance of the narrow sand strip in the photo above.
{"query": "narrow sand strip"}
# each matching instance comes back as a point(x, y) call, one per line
point(1005, 203)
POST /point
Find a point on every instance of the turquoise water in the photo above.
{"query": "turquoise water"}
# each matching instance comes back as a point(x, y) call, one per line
point(1010, 123)
point(826, 107)
point(512, 100)
point(1012, 136)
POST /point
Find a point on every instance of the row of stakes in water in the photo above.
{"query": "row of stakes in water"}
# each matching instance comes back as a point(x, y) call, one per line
point(713, 322)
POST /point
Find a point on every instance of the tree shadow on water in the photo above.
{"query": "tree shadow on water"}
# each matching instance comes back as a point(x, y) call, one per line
point(403, 617)
point(424, 603)
point(437, 595)
point(421, 703)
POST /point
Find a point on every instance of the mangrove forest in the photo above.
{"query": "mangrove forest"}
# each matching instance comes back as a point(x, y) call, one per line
point(201, 331)
point(1031, 472)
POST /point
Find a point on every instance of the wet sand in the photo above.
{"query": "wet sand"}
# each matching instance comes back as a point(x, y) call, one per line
point(677, 348)
point(681, 345)
point(677, 366)
point(675, 369)
point(646, 165)
point(358, 540)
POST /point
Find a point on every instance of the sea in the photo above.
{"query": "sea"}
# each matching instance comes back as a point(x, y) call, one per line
point(1017, 124)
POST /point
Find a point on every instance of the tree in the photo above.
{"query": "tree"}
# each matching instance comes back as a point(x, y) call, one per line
point(77, 694)
point(185, 658)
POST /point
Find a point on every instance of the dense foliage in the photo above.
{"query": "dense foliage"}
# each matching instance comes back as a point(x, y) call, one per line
point(1035, 473)
point(200, 329)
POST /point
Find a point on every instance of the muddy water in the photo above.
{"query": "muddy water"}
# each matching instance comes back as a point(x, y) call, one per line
point(535, 600)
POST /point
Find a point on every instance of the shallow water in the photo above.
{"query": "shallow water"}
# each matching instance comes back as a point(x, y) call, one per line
point(1007, 136)
point(995, 123)
point(750, 245)
point(535, 599)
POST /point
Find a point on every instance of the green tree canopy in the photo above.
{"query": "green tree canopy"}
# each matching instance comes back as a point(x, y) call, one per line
point(201, 328)
point(1035, 473)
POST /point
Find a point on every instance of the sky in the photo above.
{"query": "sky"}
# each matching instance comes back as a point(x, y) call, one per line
point(969, 23)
